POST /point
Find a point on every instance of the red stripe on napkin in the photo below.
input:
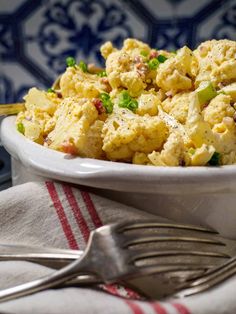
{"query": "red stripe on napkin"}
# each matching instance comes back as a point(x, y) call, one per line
point(135, 308)
point(132, 294)
point(109, 288)
point(81, 222)
point(91, 209)
point(98, 223)
point(158, 308)
point(62, 216)
point(181, 308)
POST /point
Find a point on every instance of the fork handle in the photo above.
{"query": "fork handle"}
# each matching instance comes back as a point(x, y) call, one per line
point(55, 279)
point(52, 260)
point(51, 257)
point(10, 109)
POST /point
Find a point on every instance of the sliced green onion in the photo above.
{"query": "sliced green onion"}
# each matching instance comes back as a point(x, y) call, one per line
point(133, 105)
point(107, 103)
point(215, 159)
point(21, 128)
point(102, 74)
point(70, 62)
point(161, 58)
point(83, 66)
point(153, 64)
point(124, 97)
point(50, 90)
point(104, 96)
point(126, 101)
point(205, 92)
point(221, 92)
point(144, 53)
point(191, 151)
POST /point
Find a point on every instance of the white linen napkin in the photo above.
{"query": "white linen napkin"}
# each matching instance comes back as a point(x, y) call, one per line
point(60, 215)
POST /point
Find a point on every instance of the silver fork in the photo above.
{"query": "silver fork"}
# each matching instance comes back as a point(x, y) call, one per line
point(50, 257)
point(168, 237)
point(210, 279)
point(115, 252)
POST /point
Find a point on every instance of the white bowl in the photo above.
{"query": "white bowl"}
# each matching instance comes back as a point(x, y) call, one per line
point(199, 195)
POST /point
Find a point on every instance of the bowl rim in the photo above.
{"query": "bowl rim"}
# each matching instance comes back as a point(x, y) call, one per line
point(114, 175)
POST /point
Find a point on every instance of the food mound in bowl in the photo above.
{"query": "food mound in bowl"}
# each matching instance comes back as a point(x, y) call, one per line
point(147, 107)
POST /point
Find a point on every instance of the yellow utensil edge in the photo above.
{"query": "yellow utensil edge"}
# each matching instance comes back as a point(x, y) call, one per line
point(9, 109)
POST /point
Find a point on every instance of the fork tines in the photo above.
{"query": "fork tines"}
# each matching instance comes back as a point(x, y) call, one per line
point(144, 224)
point(144, 232)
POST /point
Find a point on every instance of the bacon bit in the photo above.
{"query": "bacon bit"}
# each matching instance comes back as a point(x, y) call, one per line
point(92, 68)
point(141, 69)
point(137, 59)
point(104, 80)
point(59, 95)
point(169, 94)
point(140, 65)
point(222, 84)
point(69, 147)
point(204, 105)
point(141, 74)
point(182, 163)
point(99, 105)
point(153, 54)
point(47, 141)
point(106, 85)
point(234, 117)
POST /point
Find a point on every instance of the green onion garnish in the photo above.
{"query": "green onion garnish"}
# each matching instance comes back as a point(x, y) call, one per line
point(153, 64)
point(102, 74)
point(126, 101)
point(107, 103)
point(215, 159)
point(21, 128)
point(161, 58)
point(133, 105)
point(70, 62)
point(83, 66)
point(144, 53)
point(191, 150)
point(50, 90)
point(205, 92)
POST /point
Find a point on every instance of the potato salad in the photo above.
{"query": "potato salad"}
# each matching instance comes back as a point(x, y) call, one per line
point(146, 107)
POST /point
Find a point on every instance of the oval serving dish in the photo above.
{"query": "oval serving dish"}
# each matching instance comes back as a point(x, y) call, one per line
point(201, 195)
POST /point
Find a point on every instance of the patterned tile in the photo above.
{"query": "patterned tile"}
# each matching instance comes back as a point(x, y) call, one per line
point(175, 23)
point(15, 80)
point(75, 28)
point(10, 6)
point(219, 24)
point(33, 48)
point(166, 9)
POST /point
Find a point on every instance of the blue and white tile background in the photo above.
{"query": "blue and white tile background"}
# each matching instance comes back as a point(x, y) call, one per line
point(37, 35)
